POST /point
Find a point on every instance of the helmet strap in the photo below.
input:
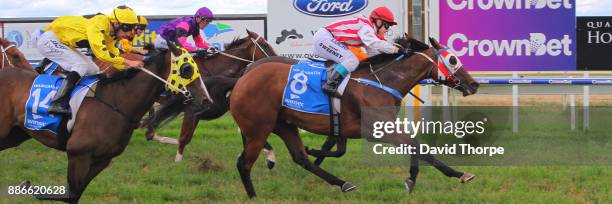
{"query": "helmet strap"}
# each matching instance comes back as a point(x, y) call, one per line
point(376, 23)
point(116, 28)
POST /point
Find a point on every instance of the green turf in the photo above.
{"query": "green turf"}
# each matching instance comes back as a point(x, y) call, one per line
point(146, 173)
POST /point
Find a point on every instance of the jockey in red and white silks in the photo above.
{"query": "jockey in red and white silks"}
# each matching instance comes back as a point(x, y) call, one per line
point(331, 41)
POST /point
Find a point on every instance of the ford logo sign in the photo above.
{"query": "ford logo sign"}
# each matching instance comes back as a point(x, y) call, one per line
point(330, 8)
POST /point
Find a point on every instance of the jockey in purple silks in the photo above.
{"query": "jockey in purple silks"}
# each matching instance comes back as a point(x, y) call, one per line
point(179, 29)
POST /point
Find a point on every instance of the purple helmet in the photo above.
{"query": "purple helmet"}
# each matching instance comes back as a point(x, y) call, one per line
point(204, 13)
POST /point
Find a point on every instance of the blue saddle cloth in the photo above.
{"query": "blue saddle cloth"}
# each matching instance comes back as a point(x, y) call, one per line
point(42, 92)
point(303, 91)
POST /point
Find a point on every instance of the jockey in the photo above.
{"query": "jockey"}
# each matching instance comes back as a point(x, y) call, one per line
point(99, 32)
point(332, 42)
point(125, 45)
point(179, 29)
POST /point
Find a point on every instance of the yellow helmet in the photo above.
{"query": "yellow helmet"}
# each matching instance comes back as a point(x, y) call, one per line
point(142, 20)
point(124, 15)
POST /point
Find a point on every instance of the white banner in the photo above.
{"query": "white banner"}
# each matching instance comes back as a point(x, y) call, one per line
point(217, 33)
point(19, 34)
point(292, 23)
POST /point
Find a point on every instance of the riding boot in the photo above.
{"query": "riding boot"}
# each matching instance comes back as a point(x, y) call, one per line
point(331, 85)
point(59, 104)
point(41, 66)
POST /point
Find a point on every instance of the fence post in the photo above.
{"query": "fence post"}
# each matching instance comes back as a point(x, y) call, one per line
point(515, 104)
point(572, 110)
point(564, 101)
point(586, 103)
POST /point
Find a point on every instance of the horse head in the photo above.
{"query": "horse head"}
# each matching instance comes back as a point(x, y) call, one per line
point(450, 70)
point(437, 62)
point(181, 74)
point(11, 56)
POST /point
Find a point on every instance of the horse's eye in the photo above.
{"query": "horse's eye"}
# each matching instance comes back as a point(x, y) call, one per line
point(453, 61)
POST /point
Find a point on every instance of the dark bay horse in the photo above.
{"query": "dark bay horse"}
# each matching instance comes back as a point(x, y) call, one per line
point(11, 56)
point(220, 72)
point(263, 86)
point(94, 140)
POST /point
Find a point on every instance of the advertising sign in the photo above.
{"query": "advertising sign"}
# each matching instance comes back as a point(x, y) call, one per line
point(594, 43)
point(20, 35)
point(511, 35)
point(292, 24)
point(218, 33)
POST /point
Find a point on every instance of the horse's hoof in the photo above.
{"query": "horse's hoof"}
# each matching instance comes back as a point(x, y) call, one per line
point(466, 177)
point(409, 184)
point(270, 164)
point(178, 157)
point(346, 187)
point(270, 158)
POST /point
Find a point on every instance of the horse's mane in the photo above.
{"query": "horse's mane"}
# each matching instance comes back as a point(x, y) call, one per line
point(159, 59)
point(228, 46)
point(235, 43)
point(410, 43)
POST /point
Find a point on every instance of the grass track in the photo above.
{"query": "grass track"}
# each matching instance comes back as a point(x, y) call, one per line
point(146, 173)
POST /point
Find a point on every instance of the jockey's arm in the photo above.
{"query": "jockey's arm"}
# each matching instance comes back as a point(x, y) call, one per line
point(369, 39)
point(103, 50)
point(127, 47)
point(182, 34)
point(138, 50)
point(200, 42)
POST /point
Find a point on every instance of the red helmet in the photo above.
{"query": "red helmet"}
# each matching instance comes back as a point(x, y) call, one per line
point(383, 13)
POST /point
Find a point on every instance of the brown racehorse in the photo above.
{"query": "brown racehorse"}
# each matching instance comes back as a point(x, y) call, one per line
point(11, 56)
point(220, 73)
point(262, 87)
point(94, 140)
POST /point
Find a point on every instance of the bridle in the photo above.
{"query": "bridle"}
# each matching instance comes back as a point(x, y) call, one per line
point(5, 56)
point(442, 65)
point(224, 53)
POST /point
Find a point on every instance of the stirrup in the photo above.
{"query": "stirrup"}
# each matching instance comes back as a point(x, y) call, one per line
point(59, 109)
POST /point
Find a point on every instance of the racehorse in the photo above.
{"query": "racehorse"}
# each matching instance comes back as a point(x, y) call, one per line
point(263, 86)
point(11, 56)
point(220, 71)
point(94, 140)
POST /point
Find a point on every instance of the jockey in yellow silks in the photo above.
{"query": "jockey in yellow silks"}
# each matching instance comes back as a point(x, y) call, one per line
point(99, 33)
point(126, 44)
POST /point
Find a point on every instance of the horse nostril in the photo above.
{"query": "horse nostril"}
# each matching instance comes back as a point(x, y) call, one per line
point(474, 86)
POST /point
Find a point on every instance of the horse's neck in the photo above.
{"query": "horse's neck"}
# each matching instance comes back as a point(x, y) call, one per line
point(401, 76)
point(225, 66)
point(134, 96)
